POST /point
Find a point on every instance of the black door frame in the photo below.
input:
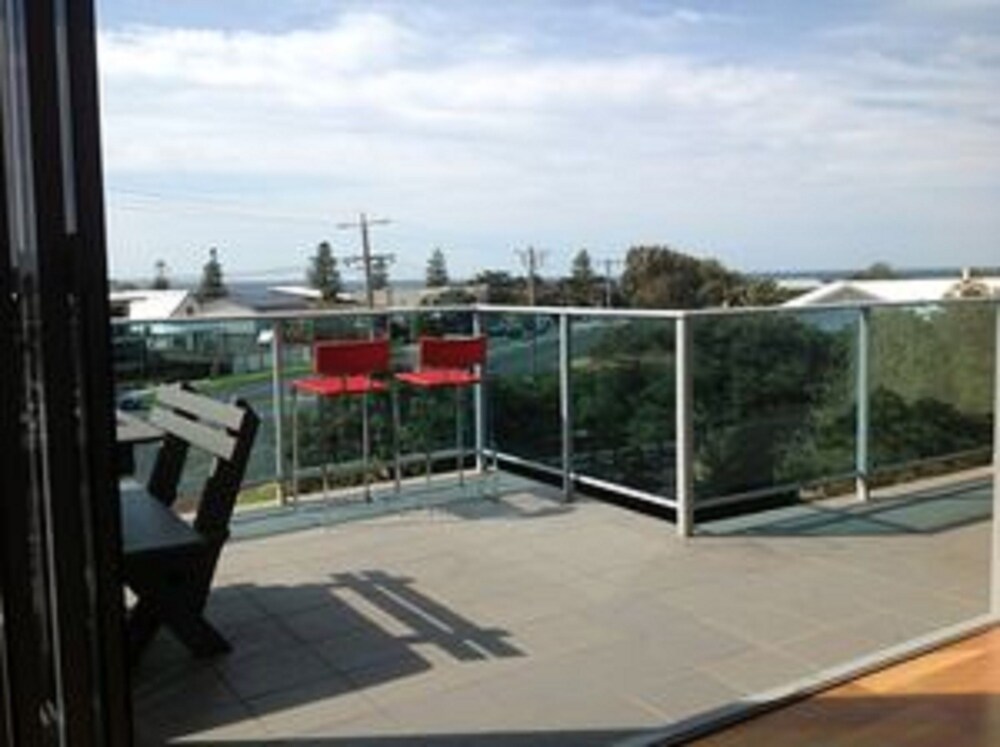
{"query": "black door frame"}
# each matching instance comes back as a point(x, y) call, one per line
point(64, 675)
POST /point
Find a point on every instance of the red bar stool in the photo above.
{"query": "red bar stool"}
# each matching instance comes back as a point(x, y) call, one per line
point(343, 368)
point(449, 362)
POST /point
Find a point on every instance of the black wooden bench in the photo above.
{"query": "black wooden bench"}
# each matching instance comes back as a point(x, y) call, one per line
point(168, 563)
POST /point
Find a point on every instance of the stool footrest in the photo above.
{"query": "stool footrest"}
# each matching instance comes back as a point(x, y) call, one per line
point(432, 378)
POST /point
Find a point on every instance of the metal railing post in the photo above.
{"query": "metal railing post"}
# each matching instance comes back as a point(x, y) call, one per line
point(995, 555)
point(278, 405)
point(684, 433)
point(566, 404)
point(862, 395)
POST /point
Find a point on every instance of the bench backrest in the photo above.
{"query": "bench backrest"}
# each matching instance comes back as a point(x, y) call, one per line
point(224, 430)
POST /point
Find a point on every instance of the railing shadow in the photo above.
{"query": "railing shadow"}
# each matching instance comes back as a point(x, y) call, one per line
point(430, 621)
point(926, 512)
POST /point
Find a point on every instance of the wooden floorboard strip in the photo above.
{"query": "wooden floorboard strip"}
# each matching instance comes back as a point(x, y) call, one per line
point(946, 697)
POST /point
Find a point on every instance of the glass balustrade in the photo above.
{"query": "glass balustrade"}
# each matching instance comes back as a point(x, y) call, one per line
point(523, 386)
point(774, 400)
point(785, 403)
point(931, 386)
point(622, 380)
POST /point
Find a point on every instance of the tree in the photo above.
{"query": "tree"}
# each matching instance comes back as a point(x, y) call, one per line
point(450, 297)
point(876, 271)
point(582, 280)
point(212, 285)
point(322, 273)
point(437, 270)
point(661, 277)
point(501, 287)
point(160, 279)
point(762, 292)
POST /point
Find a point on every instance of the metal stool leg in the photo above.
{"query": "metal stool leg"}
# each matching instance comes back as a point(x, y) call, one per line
point(295, 446)
point(394, 393)
point(326, 465)
point(425, 406)
point(365, 447)
point(459, 437)
point(327, 499)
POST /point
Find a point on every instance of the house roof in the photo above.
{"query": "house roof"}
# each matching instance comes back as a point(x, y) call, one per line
point(901, 290)
point(143, 305)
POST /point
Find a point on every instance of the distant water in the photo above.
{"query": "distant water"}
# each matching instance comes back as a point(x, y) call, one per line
point(254, 292)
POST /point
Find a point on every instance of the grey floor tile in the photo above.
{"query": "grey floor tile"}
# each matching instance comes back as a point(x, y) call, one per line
point(261, 672)
point(689, 694)
point(310, 708)
point(757, 670)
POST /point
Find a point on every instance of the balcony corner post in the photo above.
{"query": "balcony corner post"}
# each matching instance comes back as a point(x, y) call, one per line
point(566, 404)
point(479, 402)
point(863, 397)
point(684, 429)
point(278, 405)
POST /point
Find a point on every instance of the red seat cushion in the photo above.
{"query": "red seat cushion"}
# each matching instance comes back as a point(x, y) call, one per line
point(338, 386)
point(439, 377)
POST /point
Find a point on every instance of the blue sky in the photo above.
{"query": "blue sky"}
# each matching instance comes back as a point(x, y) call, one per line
point(770, 134)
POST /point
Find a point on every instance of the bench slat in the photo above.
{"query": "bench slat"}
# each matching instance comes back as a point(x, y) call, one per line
point(214, 441)
point(204, 408)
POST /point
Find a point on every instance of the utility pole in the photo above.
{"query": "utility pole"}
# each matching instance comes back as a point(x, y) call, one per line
point(367, 258)
point(532, 259)
point(608, 264)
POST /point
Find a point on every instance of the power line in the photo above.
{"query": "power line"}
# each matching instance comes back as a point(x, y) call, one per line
point(159, 202)
point(367, 259)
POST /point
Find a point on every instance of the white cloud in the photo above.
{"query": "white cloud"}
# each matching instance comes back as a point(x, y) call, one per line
point(371, 111)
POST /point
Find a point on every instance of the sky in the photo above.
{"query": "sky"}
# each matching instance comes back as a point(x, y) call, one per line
point(768, 134)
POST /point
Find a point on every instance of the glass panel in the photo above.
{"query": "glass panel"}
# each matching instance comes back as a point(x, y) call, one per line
point(773, 399)
point(931, 383)
point(523, 386)
point(224, 359)
point(623, 389)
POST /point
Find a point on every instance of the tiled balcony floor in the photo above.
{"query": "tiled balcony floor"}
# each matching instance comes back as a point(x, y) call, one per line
point(528, 622)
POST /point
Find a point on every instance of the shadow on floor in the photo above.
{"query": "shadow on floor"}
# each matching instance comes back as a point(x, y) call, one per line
point(431, 621)
point(300, 644)
point(927, 512)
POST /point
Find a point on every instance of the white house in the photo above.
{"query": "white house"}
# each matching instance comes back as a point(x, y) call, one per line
point(901, 290)
point(147, 305)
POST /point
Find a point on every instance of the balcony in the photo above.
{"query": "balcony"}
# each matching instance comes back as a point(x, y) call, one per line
point(831, 465)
